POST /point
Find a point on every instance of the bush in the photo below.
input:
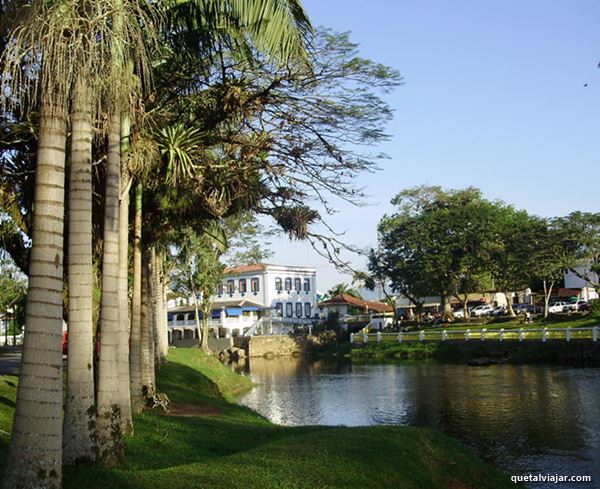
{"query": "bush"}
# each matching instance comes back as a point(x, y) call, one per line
point(594, 306)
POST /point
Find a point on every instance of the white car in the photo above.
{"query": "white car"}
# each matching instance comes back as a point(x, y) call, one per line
point(483, 310)
point(459, 313)
point(557, 307)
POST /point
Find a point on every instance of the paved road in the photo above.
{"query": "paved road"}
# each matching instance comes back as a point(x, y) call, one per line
point(10, 361)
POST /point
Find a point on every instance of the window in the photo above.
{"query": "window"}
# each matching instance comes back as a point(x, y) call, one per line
point(307, 310)
point(220, 289)
point(279, 309)
point(242, 285)
point(299, 309)
point(254, 285)
point(288, 284)
point(278, 286)
point(289, 309)
point(230, 286)
point(297, 284)
point(306, 285)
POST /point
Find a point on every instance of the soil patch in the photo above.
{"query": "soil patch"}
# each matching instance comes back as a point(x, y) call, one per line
point(191, 410)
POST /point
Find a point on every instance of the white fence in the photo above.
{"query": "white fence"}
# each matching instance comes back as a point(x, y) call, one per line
point(278, 326)
point(522, 334)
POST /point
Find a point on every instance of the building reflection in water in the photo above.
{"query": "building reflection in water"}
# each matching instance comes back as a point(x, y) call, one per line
point(524, 418)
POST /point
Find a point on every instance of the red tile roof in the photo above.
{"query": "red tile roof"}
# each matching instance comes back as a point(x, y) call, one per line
point(258, 267)
point(353, 301)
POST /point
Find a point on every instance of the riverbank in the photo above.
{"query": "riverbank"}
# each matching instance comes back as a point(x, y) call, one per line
point(215, 443)
point(559, 352)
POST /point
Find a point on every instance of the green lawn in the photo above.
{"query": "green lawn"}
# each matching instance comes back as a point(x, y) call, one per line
point(231, 446)
point(456, 331)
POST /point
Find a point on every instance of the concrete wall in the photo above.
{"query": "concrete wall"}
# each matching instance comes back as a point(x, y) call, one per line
point(285, 345)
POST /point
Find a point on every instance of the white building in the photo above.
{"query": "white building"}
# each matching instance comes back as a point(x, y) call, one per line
point(357, 313)
point(273, 298)
point(574, 282)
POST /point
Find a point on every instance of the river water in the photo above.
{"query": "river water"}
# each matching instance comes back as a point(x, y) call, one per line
point(523, 418)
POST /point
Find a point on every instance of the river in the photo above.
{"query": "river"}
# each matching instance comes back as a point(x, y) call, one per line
point(523, 418)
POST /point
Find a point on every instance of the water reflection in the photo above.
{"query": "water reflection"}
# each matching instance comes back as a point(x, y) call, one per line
point(534, 419)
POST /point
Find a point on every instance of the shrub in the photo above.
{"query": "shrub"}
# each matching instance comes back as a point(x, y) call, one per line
point(594, 306)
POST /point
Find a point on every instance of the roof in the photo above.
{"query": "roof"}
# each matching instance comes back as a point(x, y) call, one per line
point(569, 292)
point(220, 305)
point(262, 267)
point(257, 267)
point(353, 301)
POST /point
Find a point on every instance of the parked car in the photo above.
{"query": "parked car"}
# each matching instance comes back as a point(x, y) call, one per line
point(557, 307)
point(459, 314)
point(482, 310)
point(533, 309)
point(498, 311)
point(579, 305)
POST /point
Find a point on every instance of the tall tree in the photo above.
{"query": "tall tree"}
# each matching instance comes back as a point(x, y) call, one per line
point(439, 240)
point(584, 229)
point(80, 410)
point(555, 252)
point(514, 252)
point(35, 456)
point(198, 272)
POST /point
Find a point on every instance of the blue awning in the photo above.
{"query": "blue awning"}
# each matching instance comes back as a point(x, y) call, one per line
point(234, 311)
point(250, 308)
point(216, 314)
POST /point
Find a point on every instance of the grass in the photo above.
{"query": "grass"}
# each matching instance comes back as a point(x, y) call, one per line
point(455, 331)
point(235, 447)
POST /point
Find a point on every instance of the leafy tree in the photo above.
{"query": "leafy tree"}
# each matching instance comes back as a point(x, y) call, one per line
point(247, 240)
point(343, 288)
point(514, 252)
point(197, 272)
point(584, 229)
point(438, 242)
point(13, 292)
point(555, 251)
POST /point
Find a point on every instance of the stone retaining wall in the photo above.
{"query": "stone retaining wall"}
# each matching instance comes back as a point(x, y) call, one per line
point(282, 345)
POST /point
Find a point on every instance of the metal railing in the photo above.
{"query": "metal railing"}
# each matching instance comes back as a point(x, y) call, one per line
point(521, 334)
point(278, 326)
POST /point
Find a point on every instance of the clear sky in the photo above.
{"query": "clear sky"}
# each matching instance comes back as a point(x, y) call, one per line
point(494, 97)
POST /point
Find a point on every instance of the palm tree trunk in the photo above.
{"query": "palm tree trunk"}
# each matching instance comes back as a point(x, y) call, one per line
point(160, 321)
point(124, 321)
point(135, 361)
point(164, 312)
point(151, 333)
point(79, 432)
point(35, 455)
point(110, 438)
point(146, 359)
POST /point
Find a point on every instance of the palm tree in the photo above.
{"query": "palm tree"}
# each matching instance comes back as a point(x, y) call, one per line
point(35, 455)
point(123, 300)
point(343, 288)
point(80, 412)
point(135, 362)
point(109, 421)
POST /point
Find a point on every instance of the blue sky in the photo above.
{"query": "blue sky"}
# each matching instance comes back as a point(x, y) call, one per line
point(493, 97)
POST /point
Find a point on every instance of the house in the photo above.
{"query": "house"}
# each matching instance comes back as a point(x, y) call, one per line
point(377, 315)
point(583, 288)
point(274, 298)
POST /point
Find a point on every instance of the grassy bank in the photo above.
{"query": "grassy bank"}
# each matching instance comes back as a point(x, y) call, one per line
point(534, 352)
point(218, 444)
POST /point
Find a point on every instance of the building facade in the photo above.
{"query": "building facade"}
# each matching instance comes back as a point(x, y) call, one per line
point(586, 290)
point(289, 291)
point(258, 298)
